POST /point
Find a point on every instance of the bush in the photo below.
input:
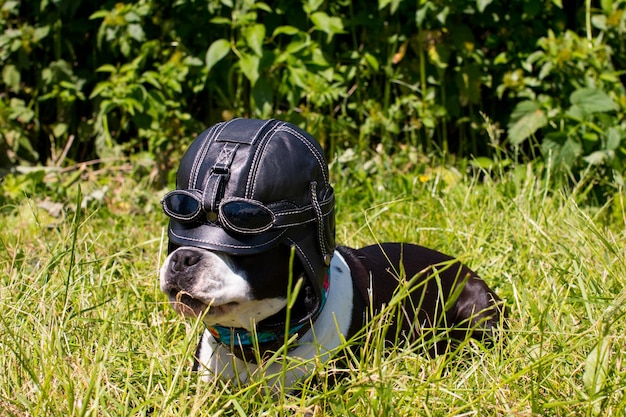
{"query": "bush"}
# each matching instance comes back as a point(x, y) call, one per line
point(83, 80)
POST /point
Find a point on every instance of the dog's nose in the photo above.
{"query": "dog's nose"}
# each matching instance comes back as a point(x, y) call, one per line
point(182, 259)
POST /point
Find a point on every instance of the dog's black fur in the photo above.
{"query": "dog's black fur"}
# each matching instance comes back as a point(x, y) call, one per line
point(443, 296)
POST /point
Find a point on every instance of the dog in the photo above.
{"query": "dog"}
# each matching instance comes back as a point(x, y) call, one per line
point(252, 253)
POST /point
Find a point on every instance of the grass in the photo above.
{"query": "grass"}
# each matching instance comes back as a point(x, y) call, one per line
point(84, 329)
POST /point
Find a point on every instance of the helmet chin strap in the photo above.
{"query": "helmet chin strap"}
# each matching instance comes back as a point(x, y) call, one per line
point(248, 345)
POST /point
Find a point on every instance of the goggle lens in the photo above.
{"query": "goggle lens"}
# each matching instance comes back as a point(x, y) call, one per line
point(181, 206)
point(246, 216)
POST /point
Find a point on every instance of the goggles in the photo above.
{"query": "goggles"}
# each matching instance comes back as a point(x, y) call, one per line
point(240, 215)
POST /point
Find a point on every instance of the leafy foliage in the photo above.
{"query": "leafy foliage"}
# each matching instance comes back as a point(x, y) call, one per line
point(84, 80)
point(575, 105)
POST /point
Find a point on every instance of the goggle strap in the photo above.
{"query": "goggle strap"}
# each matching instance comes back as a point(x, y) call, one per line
point(297, 217)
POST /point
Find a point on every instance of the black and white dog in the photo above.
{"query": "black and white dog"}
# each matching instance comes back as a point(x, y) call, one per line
point(252, 226)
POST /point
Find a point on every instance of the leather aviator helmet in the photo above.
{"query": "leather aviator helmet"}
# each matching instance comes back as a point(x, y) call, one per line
point(245, 186)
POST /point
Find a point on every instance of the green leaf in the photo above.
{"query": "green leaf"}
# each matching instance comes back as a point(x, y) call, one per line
point(372, 61)
point(135, 31)
point(607, 6)
point(570, 152)
point(59, 129)
point(262, 6)
point(124, 47)
point(591, 137)
point(250, 67)
point(152, 78)
point(613, 138)
point(596, 158)
point(133, 104)
point(561, 148)
point(318, 58)
point(254, 36)
point(384, 3)
point(11, 7)
point(298, 76)
point(296, 46)
point(442, 16)
point(99, 14)
point(68, 85)
point(132, 17)
point(599, 22)
point(481, 5)
point(26, 145)
point(16, 45)
point(107, 68)
point(220, 21)
point(421, 13)
point(312, 5)
point(596, 367)
point(501, 58)
point(286, 30)
point(329, 25)
point(99, 88)
point(575, 112)
point(592, 100)
point(19, 111)
point(106, 106)
point(11, 77)
point(216, 52)
point(193, 61)
point(40, 33)
point(483, 162)
point(526, 119)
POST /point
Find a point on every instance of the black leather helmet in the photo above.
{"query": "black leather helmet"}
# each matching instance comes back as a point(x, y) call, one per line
point(247, 185)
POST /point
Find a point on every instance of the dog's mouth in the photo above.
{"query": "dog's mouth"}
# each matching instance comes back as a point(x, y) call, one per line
point(187, 305)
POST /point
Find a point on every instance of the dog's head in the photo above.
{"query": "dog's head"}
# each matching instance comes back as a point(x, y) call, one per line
point(248, 193)
point(233, 291)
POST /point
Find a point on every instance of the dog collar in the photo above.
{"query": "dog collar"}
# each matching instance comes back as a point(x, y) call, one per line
point(241, 342)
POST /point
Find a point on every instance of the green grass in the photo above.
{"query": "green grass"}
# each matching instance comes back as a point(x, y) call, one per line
point(84, 329)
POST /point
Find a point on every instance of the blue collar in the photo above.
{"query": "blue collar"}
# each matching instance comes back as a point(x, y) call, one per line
point(240, 337)
point(232, 336)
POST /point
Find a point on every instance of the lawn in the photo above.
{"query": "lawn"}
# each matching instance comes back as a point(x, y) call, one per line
point(84, 329)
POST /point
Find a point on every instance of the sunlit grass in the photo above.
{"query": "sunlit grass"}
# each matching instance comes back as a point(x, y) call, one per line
point(84, 329)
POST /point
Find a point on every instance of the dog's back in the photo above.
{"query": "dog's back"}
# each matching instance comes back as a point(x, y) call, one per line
point(435, 294)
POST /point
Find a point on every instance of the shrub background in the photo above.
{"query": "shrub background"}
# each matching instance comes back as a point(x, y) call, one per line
point(84, 80)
